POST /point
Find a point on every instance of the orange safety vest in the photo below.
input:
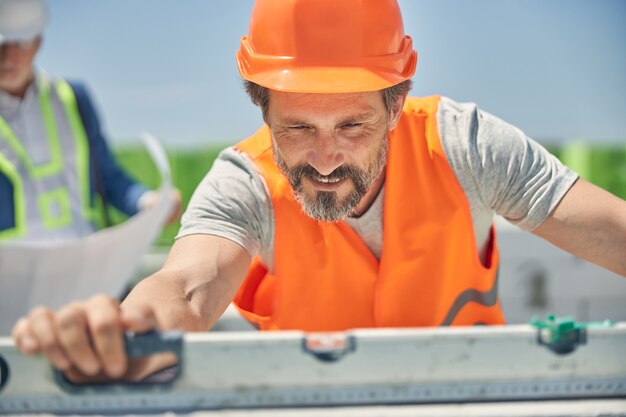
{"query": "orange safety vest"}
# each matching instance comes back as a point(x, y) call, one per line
point(325, 278)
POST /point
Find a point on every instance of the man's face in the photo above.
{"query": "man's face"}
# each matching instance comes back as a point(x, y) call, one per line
point(331, 147)
point(16, 61)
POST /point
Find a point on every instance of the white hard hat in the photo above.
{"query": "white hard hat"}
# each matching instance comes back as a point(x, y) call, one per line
point(22, 19)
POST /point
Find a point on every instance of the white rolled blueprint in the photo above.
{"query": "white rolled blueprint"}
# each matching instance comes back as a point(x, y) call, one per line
point(53, 274)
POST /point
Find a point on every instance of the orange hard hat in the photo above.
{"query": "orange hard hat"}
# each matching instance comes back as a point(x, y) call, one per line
point(326, 46)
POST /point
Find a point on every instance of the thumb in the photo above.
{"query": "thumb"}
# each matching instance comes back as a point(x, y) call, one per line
point(138, 319)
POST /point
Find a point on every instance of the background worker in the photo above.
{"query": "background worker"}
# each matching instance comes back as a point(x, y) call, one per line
point(354, 206)
point(54, 159)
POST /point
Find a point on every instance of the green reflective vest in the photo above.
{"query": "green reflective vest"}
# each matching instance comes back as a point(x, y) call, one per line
point(51, 199)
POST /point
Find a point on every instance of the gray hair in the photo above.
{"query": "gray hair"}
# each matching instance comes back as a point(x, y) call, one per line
point(260, 95)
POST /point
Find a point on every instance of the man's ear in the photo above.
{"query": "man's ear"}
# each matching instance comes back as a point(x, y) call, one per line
point(396, 111)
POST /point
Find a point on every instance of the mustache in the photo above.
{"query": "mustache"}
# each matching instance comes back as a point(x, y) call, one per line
point(356, 175)
point(340, 173)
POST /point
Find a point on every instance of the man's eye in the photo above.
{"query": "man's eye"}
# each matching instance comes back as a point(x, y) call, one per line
point(351, 125)
point(298, 127)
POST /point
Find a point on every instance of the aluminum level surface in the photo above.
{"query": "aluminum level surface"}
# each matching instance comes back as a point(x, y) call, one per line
point(386, 366)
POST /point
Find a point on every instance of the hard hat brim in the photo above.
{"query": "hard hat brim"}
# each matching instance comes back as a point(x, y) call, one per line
point(284, 73)
point(19, 36)
point(324, 80)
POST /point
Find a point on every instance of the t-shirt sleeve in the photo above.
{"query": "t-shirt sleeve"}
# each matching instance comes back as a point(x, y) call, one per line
point(500, 167)
point(231, 202)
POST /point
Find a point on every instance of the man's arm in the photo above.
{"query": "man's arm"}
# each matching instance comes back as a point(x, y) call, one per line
point(194, 287)
point(590, 223)
point(122, 191)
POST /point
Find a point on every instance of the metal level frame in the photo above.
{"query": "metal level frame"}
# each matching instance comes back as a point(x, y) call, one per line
point(250, 370)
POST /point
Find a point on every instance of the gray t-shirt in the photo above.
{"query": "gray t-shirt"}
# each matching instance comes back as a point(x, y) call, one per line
point(500, 169)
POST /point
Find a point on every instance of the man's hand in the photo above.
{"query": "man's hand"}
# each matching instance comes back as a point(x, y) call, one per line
point(151, 198)
point(85, 339)
point(176, 207)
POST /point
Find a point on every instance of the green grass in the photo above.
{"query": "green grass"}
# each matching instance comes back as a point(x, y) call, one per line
point(603, 165)
point(188, 168)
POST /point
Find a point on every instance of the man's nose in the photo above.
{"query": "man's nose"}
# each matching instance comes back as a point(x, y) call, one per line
point(326, 155)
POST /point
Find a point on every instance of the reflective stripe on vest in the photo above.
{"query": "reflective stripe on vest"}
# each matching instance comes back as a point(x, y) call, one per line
point(52, 199)
point(325, 278)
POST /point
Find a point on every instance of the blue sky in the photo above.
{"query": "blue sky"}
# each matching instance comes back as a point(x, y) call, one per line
point(554, 68)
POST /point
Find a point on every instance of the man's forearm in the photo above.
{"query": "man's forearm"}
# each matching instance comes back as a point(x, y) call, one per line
point(196, 285)
point(165, 295)
point(589, 223)
point(177, 307)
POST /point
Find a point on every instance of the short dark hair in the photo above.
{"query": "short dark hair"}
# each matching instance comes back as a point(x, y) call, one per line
point(260, 95)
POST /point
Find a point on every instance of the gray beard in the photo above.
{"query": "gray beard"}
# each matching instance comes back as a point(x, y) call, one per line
point(325, 206)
